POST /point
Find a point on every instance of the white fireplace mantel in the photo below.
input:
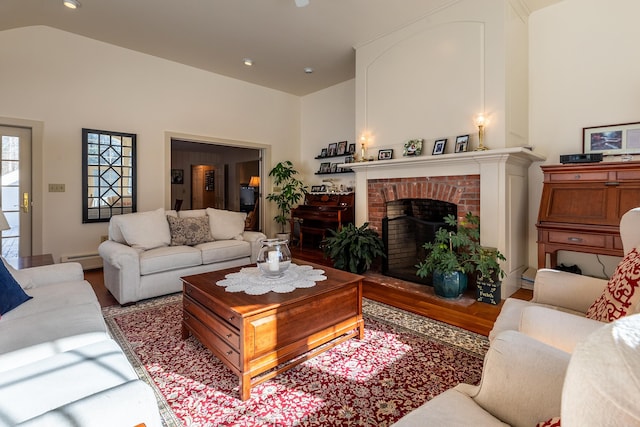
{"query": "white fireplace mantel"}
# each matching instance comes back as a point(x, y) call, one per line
point(503, 195)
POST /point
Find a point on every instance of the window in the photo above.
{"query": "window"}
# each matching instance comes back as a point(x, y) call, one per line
point(108, 174)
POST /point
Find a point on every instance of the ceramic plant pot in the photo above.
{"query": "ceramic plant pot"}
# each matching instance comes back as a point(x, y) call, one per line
point(449, 285)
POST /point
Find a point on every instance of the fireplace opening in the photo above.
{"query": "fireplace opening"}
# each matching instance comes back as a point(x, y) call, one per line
point(409, 224)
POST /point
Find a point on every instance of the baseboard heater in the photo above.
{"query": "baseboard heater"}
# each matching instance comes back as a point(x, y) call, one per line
point(88, 261)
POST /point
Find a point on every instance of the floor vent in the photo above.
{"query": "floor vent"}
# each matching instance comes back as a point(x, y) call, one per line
point(88, 261)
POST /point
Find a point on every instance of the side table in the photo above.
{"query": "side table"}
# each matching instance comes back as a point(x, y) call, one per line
point(31, 261)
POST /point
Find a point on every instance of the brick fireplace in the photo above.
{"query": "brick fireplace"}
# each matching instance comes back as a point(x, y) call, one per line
point(460, 190)
point(491, 184)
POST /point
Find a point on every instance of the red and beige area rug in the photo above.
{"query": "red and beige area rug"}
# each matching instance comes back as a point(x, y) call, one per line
point(403, 361)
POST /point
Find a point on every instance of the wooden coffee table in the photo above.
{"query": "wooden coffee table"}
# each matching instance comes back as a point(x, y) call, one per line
point(259, 336)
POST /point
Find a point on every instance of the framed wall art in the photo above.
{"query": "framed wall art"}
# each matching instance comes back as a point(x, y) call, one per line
point(352, 149)
point(612, 139)
point(462, 143)
point(385, 154)
point(413, 147)
point(177, 176)
point(438, 146)
point(332, 149)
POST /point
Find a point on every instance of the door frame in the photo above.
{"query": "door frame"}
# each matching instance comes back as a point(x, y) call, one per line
point(37, 185)
point(265, 155)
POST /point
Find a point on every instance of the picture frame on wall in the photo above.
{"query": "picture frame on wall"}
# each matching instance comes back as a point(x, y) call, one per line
point(332, 149)
point(438, 146)
point(352, 149)
point(462, 143)
point(612, 140)
point(323, 152)
point(177, 176)
point(342, 148)
point(386, 154)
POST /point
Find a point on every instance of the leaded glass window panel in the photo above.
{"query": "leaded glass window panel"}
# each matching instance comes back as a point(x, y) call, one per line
point(109, 174)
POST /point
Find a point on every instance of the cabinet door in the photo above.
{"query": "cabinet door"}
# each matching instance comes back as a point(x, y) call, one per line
point(576, 203)
point(628, 197)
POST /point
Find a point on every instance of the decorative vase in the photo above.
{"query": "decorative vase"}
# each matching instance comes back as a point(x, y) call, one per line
point(274, 258)
point(449, 285)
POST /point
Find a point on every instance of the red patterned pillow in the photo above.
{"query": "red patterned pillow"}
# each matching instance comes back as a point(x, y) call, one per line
point(622, 292)
point(552, 422)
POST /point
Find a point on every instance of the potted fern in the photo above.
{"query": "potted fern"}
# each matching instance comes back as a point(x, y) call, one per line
point(353, 248)
point(291, 191)
point(451, 256)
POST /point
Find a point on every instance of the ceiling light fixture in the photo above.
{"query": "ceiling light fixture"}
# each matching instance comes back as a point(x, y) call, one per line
point(71, 4)
point(248, 62)
point(302, 3)
point(308, 70)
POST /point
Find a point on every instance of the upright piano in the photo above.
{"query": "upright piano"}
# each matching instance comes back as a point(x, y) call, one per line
point(322, 211)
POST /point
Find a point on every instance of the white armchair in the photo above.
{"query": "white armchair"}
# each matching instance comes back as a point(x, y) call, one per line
point(556, 314)
point(526, 382)
point(521, 385)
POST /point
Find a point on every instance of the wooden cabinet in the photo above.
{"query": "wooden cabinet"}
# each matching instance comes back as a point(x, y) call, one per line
point(581, 207)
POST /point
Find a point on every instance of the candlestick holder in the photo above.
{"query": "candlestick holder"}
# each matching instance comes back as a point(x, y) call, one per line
point(480, 122)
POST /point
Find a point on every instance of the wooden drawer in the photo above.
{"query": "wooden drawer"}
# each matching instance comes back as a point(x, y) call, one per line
point(213, 322)
point(211, 304)
point(578, 239)
point(217, 345)
point(578, 176)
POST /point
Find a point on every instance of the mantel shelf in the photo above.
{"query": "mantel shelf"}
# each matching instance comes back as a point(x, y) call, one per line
point(469, 156)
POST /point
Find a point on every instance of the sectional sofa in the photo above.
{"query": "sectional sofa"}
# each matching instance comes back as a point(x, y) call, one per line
point(58, 364)
point(148, 252)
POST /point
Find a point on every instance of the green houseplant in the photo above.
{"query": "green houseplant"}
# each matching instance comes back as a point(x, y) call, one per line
point(291, 191)
point(453, 255)
point(353, 248)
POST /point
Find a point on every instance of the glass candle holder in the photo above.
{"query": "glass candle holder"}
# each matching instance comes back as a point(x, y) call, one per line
point(274, 258)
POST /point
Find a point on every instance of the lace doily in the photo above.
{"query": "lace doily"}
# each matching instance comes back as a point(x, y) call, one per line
point(251, 281)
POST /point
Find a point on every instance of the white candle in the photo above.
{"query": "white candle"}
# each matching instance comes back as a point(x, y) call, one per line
point(274, 262)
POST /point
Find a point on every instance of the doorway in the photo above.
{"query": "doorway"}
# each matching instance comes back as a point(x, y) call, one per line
point(15, 194)
point(228, 161)
point(203, 187)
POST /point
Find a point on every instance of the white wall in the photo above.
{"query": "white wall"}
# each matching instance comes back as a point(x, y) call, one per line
point(68, 82)
point(429, 79)
point(584, 71)
point(327, 116)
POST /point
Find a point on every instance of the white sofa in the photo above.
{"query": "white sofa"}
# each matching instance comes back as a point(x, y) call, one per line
point(58, 364)
point(526, 382)
point(145, 255)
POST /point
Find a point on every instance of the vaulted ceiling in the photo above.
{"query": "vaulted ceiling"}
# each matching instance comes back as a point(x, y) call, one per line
point(216, 35)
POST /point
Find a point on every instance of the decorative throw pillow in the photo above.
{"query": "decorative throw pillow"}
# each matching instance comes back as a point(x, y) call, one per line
point(622, 293)
point(552, 422)
point(189, 231)
point(145, 230)
point(11, 294)
point(226, 225)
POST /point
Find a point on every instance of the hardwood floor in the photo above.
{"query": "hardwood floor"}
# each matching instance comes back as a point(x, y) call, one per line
point(464, 312)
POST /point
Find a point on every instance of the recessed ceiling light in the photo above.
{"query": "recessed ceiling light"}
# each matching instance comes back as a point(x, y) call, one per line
point(302, 3)
point(248, 62)
point(308, 70)
point(71, 4)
